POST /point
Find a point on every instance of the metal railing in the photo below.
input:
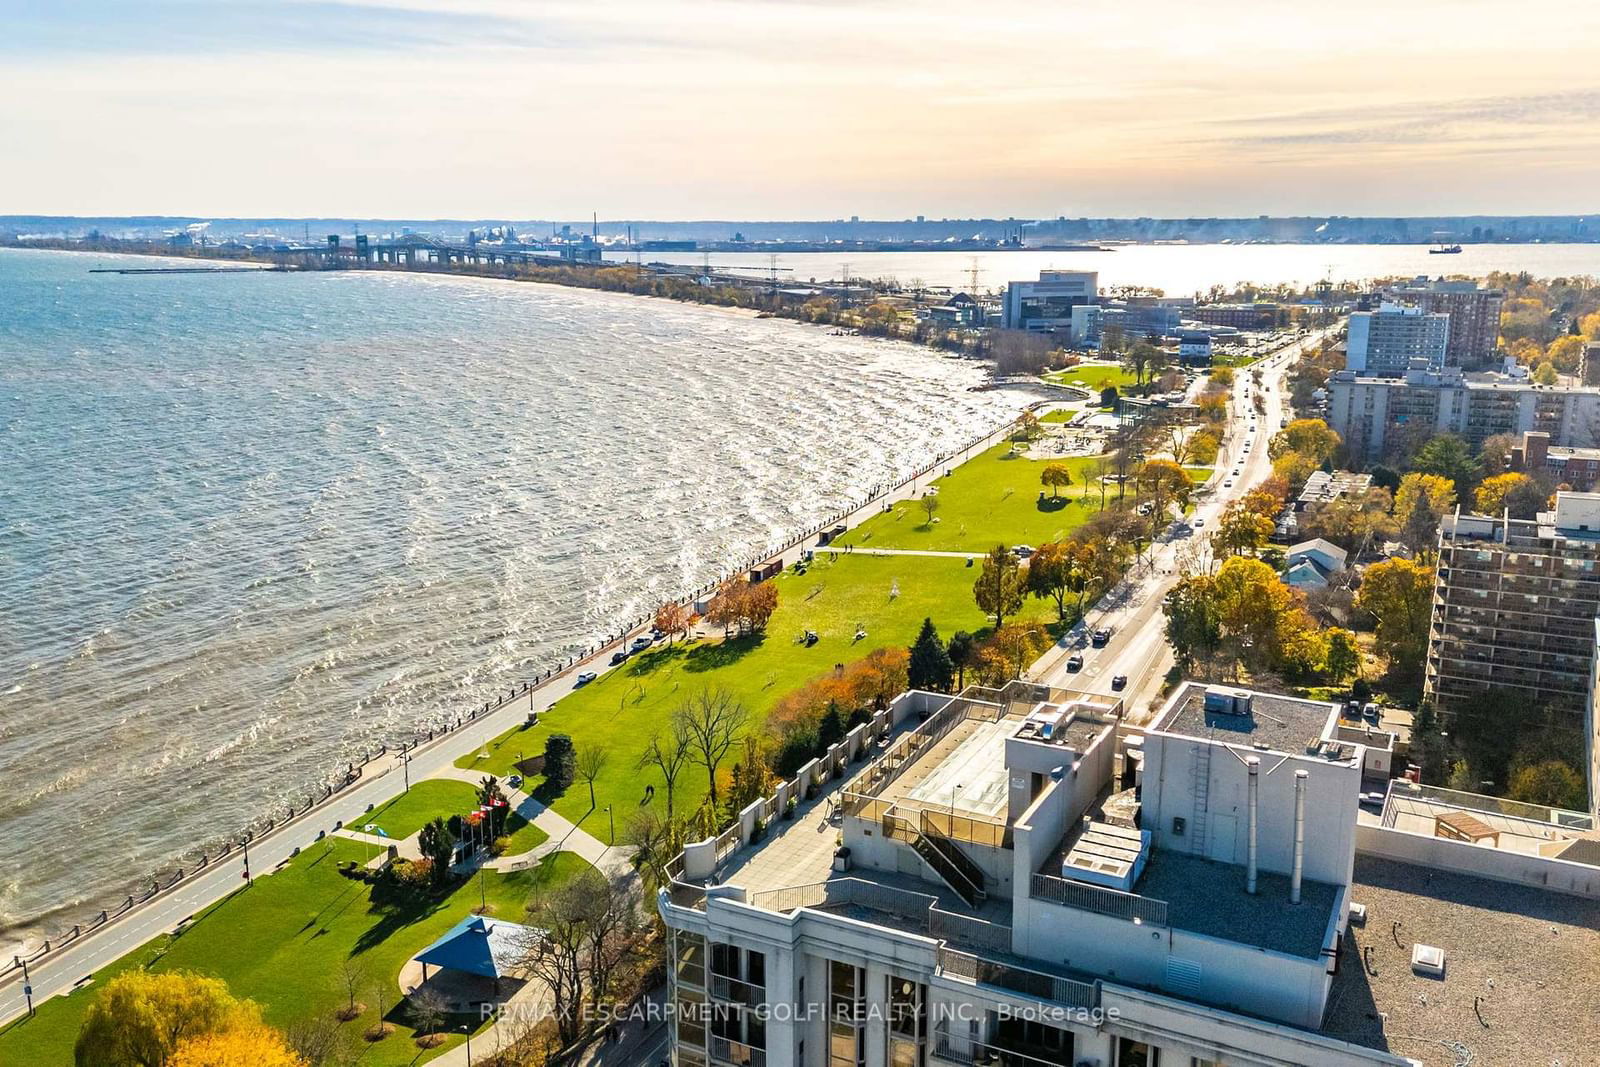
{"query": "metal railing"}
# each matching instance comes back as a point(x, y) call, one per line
point(736, 1053)
point(968, 929)
point(1101, 901)
point(957, 1048)
point(1017, 979)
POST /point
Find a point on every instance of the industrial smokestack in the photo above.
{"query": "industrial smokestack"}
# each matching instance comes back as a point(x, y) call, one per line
point(1299, 835)
point(1254, 763)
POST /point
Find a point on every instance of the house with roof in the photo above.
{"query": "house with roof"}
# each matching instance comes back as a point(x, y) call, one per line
point(1310, 564)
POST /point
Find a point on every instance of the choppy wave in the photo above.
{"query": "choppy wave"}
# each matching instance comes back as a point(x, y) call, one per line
point(270, 518)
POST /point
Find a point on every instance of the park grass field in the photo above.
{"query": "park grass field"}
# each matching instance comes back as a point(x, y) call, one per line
point(621, 708)
point(991, 499)
point(283, 943)
point(1093, 376)
point(425, 801)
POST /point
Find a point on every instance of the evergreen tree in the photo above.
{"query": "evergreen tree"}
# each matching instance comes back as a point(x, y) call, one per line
point(830, 730)
point(930, 666)
point(963, 650)
point(1427, 744)
point(560, 761)
point(437, 843)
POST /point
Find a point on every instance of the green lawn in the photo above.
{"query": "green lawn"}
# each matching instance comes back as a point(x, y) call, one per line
point(283, 942)
point(426, 800)
point(525, 837)
point(624, 705)
point(1093, 376)
point(1059, 415)
point(991, 499)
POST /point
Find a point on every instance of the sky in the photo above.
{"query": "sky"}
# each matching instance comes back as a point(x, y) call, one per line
point(798, 109)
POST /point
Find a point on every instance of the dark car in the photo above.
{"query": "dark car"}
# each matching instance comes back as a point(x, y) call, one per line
point(1099, 638)
point(1074, 662)
point(618, 657)
point(1119, 682)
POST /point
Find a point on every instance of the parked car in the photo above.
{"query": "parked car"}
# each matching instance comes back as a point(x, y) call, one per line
point(641, 643)
point(1074, 662)
point(1023, 551)
point(585, 678)
point(515, 781)
point(1119, 682)
point(620, 656)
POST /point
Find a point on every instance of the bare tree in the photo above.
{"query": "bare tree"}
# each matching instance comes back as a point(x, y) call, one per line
point(668, 754)
point(712, 719)
point(427, 1010)
point(579, 933)
point(353, 972)
point(592, 760)
point(929, 504)
point(655, 841)
point(319, 1040)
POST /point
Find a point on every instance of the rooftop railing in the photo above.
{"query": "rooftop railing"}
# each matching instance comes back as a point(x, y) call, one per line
point(1019, 979)
point(1102, 901)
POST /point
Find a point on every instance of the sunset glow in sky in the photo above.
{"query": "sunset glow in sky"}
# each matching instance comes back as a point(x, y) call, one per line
point(798, 108)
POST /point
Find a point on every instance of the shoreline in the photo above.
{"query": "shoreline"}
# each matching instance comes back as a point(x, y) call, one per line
point(25, 933)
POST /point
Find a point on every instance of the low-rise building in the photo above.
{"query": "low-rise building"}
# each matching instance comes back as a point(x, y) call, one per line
point(1046, 304)
point(1258, 316)
point(1311, 564)
point(1022, 880)
point(1385, 343)
point(1370, 412)
point(1576, 468)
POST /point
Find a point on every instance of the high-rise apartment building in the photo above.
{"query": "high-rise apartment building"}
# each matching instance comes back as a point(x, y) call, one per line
point(1515, 606)
point(1474, 316)
point(1370, 413)
point(1388, 341)
point(1014, 877)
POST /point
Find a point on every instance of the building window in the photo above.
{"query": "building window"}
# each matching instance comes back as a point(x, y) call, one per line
point(1137, 1054)
point(847, 1035)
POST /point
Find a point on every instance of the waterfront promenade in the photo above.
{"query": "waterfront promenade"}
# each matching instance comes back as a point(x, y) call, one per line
point(66, 966)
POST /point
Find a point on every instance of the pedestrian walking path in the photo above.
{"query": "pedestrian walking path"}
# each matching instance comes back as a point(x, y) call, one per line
point(851, 550)
point(564, 834)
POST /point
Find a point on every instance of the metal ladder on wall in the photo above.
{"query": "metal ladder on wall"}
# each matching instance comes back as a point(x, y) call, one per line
point(1200, 781)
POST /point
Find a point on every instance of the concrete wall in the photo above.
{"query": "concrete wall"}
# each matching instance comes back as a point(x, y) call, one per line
point(1563, 876)
point(1333, 797)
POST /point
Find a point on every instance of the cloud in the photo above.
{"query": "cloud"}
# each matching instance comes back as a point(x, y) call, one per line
point(1442, 122)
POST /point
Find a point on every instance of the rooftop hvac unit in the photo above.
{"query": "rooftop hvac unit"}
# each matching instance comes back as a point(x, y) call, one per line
point(1224, 700)
point(1428, 960)
point(1358, 915)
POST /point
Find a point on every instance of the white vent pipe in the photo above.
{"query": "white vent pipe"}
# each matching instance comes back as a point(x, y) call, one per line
point(1299, 835)
point(1254, 763)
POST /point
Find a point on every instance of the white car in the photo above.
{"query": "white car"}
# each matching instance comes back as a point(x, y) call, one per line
point(1199, 523)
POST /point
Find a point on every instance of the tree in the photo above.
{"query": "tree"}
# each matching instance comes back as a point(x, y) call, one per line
point(1552, 783)
point(1427, 744)
point(1026, 428)
point(830, 729)
point(930, 666)
point(1203, 447)
point(1344, 656)
point(354, 974)
point(998, 590)
point(1055, 475)
point(1053, 574)
point(437, 845)
point(1448, 456)
point(560, 761)
point(711, 720)
point(140, 1017)
point(726, 606)
point(1516, 493)
point(1495, 453)
point(1241, 531)
point(929, 504)
point(1399, 594)
point(579, 931)
point(1308, 437)
point(1545, 374)
point(427, 1006)
point(672, 619)
point(668, 753)
point(1162, 483)
point(1419, 504)
point(1138, 359)
point(1108, 397)
point(1295, 468)
point(760, 602)
point(1262, 618)
point(246, 1046)
point(963, 651)
point(1194, 627)
point(1017, 646)
point(592, 760)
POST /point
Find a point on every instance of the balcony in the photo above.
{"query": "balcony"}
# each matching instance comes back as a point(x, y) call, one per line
point(963, 1050)
point(736, 1053)
point(735, 991)
point(1018, 979)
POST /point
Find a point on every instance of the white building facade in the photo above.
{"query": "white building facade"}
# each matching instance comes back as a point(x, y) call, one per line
point(1047, 304)
point(1385, 342)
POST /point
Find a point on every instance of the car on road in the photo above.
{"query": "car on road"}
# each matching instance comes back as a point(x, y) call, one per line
point(585, 678)
point(1119, 682)
point(1199, 523)
point(1099, 638)
point(1074, 662)
point(1023, 551)
point(641, 643)
point(620, 656)
point(515, 781)
point(1228, 484)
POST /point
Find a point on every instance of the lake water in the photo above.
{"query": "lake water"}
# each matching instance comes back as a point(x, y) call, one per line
point(1179, 270)
point(251, 525)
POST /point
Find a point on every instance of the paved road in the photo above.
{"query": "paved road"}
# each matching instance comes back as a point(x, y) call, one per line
point(1138, 648)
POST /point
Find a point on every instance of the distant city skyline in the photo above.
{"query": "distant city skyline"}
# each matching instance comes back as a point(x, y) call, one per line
point(799, 109)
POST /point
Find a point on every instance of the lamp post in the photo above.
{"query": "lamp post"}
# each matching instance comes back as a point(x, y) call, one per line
point(247, 879)
point(405, 768)
point(468, 1034)
point(611, 815)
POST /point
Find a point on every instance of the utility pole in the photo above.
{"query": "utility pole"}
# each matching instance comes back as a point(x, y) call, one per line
point(247, 879)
